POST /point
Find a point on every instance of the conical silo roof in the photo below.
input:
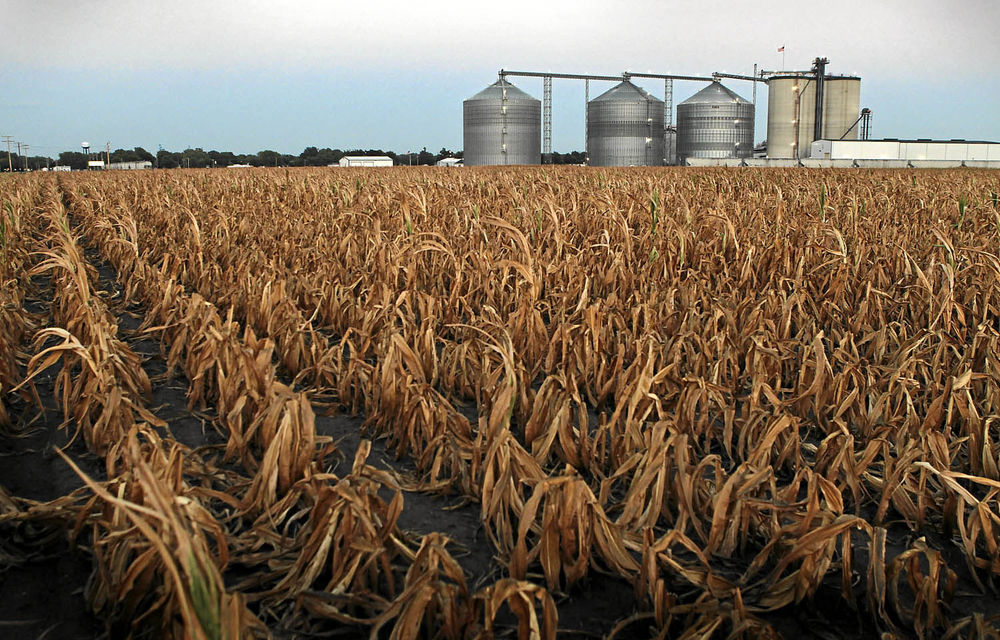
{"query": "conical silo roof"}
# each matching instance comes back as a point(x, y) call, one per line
point(499, 130)
point(715, 93)
point(624, 91)
point(625, 128)
point(714, 123)
point(495, 92)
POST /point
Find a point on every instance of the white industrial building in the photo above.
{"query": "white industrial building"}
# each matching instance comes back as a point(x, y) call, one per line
point(886, 154)
point(131, 165)
point(450, 162)
point(949, 151)
point(366, 161)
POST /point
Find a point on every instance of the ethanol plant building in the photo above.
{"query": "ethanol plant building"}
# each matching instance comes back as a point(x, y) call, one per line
point(812, 119)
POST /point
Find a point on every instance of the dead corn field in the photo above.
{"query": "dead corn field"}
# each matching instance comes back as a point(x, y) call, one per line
point(481, 403)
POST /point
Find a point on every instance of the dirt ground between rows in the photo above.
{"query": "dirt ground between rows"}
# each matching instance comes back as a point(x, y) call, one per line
point(44, 597)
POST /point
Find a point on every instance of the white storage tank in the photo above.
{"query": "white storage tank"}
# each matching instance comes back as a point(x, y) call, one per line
point(841, 102)
point(791, 109)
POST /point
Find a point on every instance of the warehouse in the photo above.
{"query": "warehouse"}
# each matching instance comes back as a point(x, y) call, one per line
point(366, 161)
point(131, 165)
point(953, 152)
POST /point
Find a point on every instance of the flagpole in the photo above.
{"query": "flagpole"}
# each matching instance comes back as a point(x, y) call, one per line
point(782, 57)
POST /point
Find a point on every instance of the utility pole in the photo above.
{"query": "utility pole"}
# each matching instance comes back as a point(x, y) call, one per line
point(7, 138)
point(107, 154)
point(25, 157)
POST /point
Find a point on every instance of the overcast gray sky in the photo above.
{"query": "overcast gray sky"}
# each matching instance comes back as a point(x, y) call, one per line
point(388, 74)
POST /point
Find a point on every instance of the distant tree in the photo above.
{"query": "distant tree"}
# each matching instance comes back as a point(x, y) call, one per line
point(135, 155)
point(39, 162)
point(167, 159)
point(313, 157)
point(195, 159)
point(308, 156)
point(266, 158)
point(326, 156)
point(121, 155)
point(19, 163)
point(222, 158)
point(73, 159)
point(573, 157)
point(444, 153)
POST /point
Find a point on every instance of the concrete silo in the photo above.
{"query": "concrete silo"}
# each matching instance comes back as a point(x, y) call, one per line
point(714, 123)
point(501, 126)
point(791, 109)
point(625, 128)
point(841, 102)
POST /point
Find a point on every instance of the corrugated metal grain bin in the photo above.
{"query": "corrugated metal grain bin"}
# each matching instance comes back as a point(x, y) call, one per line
point(625, 128)
point(714, 123)
point(502, 125)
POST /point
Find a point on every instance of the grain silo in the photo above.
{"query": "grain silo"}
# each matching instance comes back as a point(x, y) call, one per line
point(502, 125)
point(625, 128)
point(841, 102)
point(791, 108)
point(714, 123)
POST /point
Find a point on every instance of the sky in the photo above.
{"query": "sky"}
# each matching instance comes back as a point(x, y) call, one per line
point(245, 76)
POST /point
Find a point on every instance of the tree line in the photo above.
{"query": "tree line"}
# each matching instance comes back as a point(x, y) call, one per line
point(199, 158)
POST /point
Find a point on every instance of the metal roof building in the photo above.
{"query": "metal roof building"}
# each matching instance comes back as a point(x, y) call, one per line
point(136, 164)
point(951, 151)
point(366, 161)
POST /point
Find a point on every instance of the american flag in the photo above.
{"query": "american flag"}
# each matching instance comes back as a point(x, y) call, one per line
point(781, 49)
